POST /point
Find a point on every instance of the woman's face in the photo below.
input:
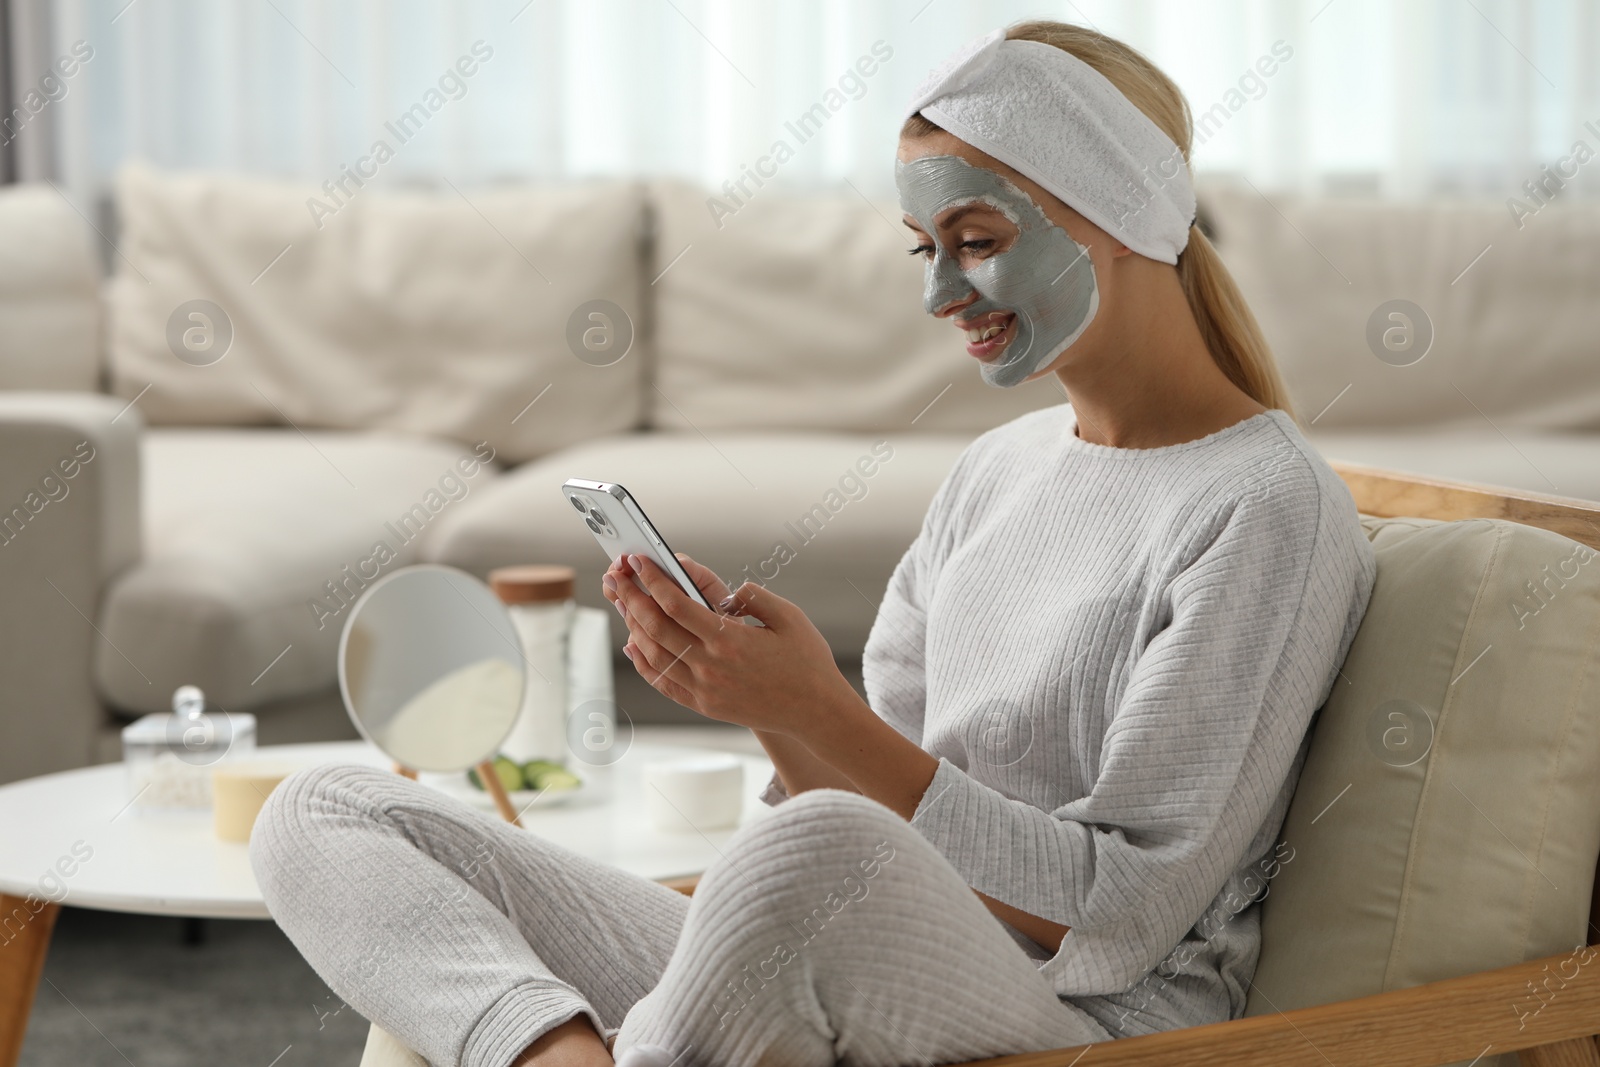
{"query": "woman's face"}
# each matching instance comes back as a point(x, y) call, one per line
point(1011, 265)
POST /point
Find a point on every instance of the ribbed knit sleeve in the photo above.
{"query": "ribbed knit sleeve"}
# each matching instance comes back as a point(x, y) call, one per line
point(893, 668)
point(1196, 752)
point(893, 671)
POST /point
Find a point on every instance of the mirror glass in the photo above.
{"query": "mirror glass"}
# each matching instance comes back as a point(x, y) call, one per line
point(430, 668)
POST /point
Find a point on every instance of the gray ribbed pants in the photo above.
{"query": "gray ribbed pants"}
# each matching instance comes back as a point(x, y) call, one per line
point(830, 932)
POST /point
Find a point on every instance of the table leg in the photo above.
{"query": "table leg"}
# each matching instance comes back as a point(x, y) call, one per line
point(491, 782)
point(24, 943)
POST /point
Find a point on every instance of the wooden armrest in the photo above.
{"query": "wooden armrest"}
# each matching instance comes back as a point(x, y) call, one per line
point(1523, 1006)
point(1390, 494)
point(682, 885)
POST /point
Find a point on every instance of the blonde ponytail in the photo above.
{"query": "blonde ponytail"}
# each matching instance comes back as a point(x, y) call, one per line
point(1229, 329)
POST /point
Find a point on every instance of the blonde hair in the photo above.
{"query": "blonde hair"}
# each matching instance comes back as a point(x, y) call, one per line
point(1229, 330)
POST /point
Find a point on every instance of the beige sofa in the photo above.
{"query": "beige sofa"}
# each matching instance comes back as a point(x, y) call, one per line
point(235, 501)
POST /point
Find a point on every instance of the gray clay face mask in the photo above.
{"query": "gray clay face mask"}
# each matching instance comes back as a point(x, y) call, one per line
point(1045, 278)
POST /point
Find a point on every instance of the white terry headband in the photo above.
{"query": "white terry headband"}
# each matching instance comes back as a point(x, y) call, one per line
point(1055, 119)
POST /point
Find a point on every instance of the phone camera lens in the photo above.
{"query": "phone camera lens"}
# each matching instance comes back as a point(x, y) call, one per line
point(589, 519)
point(577, 502)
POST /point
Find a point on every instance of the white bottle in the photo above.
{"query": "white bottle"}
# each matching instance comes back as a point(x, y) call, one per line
point(539, 599)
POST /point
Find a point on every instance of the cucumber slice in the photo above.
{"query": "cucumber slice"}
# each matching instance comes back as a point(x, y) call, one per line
point(547, 774)
point(559, 779)
point(505, 769)
point(510, 775)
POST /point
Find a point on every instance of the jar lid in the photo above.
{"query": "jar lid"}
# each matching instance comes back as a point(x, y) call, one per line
point(532, 583)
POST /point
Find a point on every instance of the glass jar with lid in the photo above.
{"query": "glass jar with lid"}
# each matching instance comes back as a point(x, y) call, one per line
point(169, 756)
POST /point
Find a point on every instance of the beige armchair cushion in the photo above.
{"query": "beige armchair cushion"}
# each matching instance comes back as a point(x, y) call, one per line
point(435, 313)
point(1418, 857)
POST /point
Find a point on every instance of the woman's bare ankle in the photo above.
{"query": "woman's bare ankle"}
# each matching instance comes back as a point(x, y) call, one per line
point(572, 1044)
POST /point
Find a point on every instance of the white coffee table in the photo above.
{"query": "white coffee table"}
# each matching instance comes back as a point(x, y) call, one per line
point(74, 830)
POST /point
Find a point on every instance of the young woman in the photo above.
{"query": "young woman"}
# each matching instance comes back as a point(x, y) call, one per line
point(1088, 685)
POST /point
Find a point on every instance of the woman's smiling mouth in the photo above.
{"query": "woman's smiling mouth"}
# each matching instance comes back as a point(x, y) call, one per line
point(989, 334)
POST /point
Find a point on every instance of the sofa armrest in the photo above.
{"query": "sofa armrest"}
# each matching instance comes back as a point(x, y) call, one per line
point(69, 521)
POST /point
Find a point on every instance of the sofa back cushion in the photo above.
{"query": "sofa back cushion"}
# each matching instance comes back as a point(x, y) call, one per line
point(1448, 816)
point(805, 312)
point(1515, 334)
point(437, 313)
point(49, 294)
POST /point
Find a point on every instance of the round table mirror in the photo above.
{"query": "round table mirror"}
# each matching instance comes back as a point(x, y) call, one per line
point(431, 670)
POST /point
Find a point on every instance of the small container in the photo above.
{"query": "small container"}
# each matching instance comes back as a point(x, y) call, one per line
point(169, 757)
point(695, 794)
point(539, 599)
point(239, 788)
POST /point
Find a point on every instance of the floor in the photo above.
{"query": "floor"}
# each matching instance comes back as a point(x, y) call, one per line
point(126, 989)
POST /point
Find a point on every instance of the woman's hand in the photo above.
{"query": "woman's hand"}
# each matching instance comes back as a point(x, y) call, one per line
point(778, 678)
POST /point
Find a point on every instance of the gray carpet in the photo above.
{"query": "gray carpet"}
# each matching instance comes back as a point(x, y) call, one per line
point(124, 990)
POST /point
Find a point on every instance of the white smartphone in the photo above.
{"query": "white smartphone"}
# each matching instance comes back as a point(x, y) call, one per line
point(620, 527)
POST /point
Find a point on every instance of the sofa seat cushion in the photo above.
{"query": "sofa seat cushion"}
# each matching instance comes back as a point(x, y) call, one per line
point(255, 543)
point(1565, 464)
point(1448, 815)
point(792, 510)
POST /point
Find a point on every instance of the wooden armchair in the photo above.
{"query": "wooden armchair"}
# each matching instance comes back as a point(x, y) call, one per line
point(1545, 1010)
point(1453, 981)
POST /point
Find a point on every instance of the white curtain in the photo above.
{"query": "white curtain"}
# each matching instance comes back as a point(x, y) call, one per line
point(1396, 97)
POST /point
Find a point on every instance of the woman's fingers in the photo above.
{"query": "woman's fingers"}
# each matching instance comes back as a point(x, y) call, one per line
point(664, 671)
point(674, 606)
point(759, 602)
point(713, 588)
point(661, 638)
point(705, 579)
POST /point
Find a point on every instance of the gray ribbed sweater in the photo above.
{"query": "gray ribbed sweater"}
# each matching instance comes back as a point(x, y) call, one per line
point(1115, 654)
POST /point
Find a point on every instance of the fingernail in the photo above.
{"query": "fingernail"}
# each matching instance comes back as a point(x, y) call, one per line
point(725, 603)
point(622, 609)
point(633, 561)
point(609, 582)
point(626, 651)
